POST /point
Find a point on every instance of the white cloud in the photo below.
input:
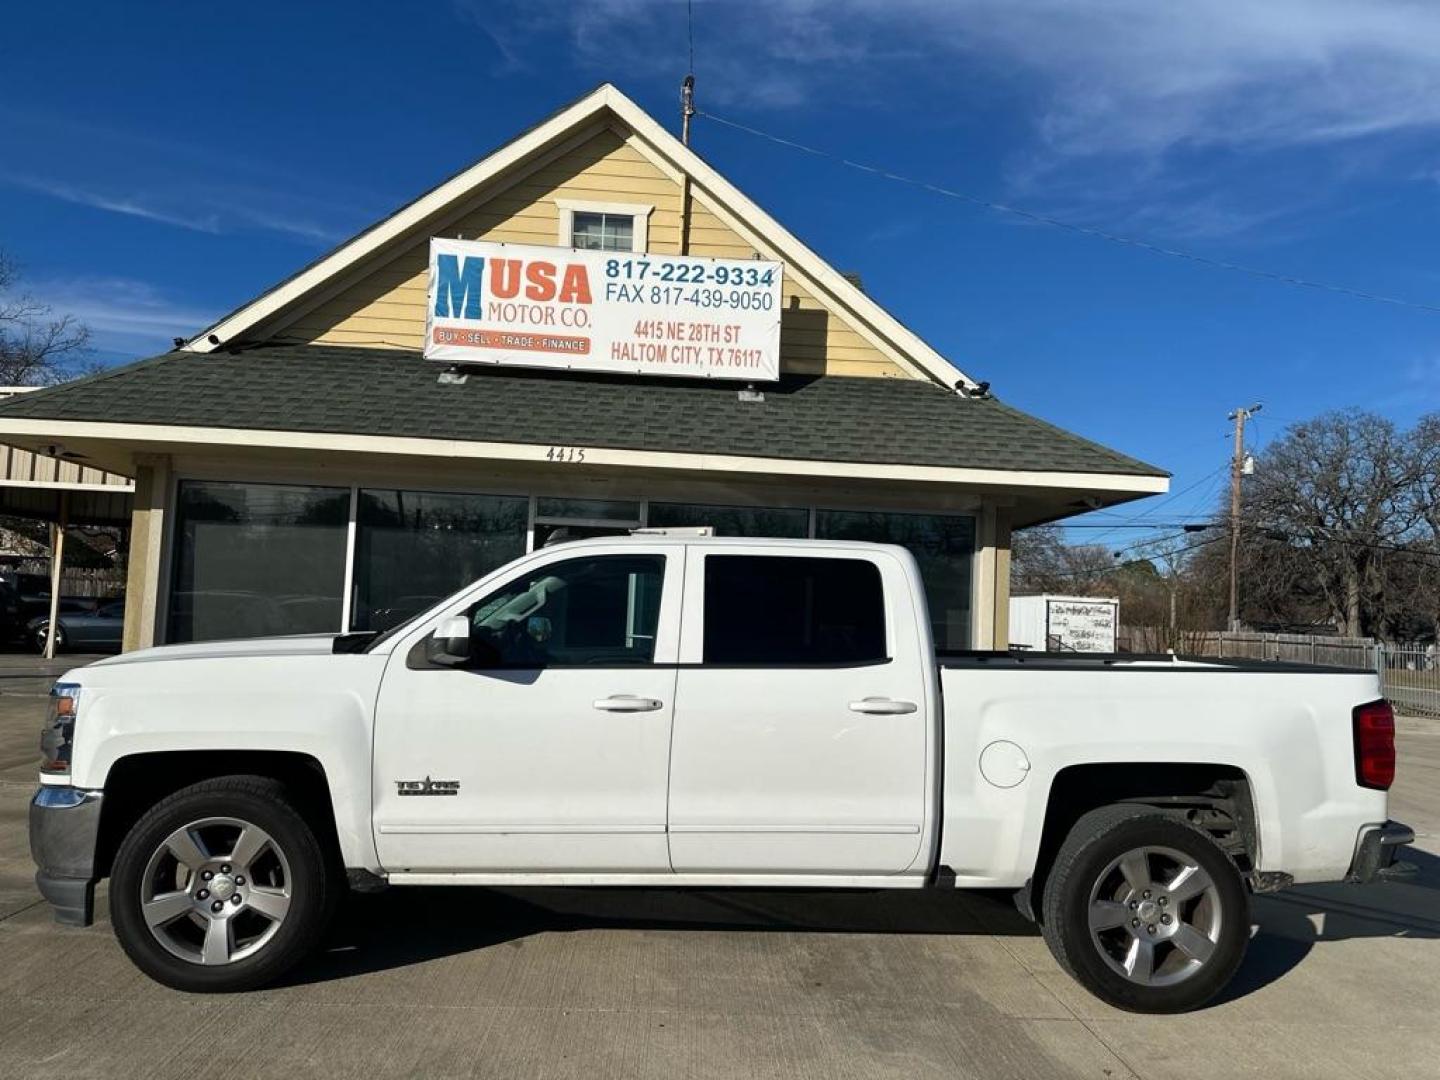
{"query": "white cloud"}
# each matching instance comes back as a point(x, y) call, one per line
point(172, 180)
point(115, 204)
point(1116, 98)
point(195, 207)
point(123, 314)
point(1109, 75)
point(1142, 76)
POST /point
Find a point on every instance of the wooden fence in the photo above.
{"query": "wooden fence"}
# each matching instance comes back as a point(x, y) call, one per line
point(1356, 652)
point(97, 582)
point(100, 584)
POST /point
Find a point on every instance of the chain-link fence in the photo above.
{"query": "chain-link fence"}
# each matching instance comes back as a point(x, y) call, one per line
point(1411, 678)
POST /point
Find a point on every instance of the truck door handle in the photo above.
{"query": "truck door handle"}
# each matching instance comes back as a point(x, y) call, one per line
point(627, 703)
point(882, 706)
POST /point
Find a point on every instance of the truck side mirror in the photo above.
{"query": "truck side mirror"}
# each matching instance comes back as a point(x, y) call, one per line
point(449, 645)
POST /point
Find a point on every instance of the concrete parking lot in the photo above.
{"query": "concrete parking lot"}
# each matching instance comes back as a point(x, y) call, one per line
point(1340, 980)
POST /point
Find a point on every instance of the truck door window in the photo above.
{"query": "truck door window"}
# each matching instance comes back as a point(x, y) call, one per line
point(597, 611)
point(766, 610)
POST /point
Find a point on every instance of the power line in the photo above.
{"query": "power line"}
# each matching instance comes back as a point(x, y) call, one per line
point(1285, 536)
point(1136, 545)
point(1171, 498)
point(1120, 567)
point(1108, 526)
point(1083, 230)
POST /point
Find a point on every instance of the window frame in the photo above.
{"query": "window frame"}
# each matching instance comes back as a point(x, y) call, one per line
point(638, 212)
point(894, 597)
point(631, 629)
point(167, 583)
point(667, 625)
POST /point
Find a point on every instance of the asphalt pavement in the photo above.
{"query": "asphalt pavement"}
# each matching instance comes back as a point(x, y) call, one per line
point(1340, 981)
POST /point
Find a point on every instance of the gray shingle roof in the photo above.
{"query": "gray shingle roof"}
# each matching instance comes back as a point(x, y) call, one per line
point(321, 388)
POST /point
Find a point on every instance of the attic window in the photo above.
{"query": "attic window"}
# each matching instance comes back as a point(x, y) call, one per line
point(603, 232)
point(601, 226)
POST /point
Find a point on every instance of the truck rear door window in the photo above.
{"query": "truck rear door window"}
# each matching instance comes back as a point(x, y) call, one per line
point(783, 610)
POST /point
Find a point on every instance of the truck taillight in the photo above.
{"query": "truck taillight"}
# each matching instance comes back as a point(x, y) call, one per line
point(1374, 724)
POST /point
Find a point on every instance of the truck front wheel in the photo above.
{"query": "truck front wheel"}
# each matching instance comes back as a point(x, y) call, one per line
point(1145, 910)
point(221, 886)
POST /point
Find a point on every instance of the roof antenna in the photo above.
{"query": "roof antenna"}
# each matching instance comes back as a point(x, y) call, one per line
point(687, 88)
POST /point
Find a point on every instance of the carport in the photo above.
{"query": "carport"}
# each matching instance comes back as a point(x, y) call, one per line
point(65, 495)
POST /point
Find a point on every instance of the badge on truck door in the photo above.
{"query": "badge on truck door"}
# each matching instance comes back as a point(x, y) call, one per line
point(427, 787)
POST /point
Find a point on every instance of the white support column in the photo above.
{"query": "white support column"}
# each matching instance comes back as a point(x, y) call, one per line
point(983, 624)
point(347, 597)
point(57, 562)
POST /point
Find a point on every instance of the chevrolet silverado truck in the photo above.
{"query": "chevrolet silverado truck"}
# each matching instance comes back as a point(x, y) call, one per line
point(677, 710)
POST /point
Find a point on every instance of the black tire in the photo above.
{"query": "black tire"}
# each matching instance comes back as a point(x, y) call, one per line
point(1085, 867)
point(307, 872)
point(42, 632)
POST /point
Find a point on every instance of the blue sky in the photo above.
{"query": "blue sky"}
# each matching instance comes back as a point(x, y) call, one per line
point(164, 164)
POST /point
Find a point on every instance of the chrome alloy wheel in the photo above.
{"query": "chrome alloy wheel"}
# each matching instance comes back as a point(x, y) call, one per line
point(216, 891)
point(1155, 916)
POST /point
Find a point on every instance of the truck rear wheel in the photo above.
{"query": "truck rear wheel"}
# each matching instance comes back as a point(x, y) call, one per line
point(1145, 910)
point(221, 886)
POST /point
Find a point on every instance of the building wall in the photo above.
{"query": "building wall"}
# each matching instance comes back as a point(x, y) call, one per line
point(386, 307)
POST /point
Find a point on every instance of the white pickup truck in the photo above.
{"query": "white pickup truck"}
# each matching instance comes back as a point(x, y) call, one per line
point(662, 710)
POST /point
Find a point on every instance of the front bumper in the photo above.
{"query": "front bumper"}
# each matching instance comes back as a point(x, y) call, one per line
point(1375, 854)
point(64, 825)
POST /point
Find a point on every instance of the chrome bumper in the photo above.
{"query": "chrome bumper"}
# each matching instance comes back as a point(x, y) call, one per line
point(1375, 854)
point(64, 826)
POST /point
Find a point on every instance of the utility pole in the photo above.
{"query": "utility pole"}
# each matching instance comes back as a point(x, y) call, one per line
point(687, 107)
point(1237, 466)
point(687, 110)
point(687, 88)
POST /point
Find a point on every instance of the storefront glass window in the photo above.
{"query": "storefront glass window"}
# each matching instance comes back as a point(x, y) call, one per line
point(257, 559)
point(587, 509)
point(943, 545)
point(414, 548)
point(732, 520)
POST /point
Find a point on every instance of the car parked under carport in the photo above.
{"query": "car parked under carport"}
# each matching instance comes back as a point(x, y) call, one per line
point(82, 626)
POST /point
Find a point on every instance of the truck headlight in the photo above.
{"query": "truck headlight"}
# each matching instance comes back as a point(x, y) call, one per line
point(57, 737)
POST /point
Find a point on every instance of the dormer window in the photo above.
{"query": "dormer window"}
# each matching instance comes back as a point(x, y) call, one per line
point(594, 226)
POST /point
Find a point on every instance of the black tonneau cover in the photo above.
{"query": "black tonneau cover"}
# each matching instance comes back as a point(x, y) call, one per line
point(1021, 660)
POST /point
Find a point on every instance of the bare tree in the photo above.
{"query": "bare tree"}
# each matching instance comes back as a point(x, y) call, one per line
point(1341, 527)
point(1042, 562)
point(1426, 564)
point(1176, 608)
point(37, 347)
point(1338, 492)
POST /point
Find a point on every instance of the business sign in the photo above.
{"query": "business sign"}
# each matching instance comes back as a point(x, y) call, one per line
point(1081, 625)
point(603, 311)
